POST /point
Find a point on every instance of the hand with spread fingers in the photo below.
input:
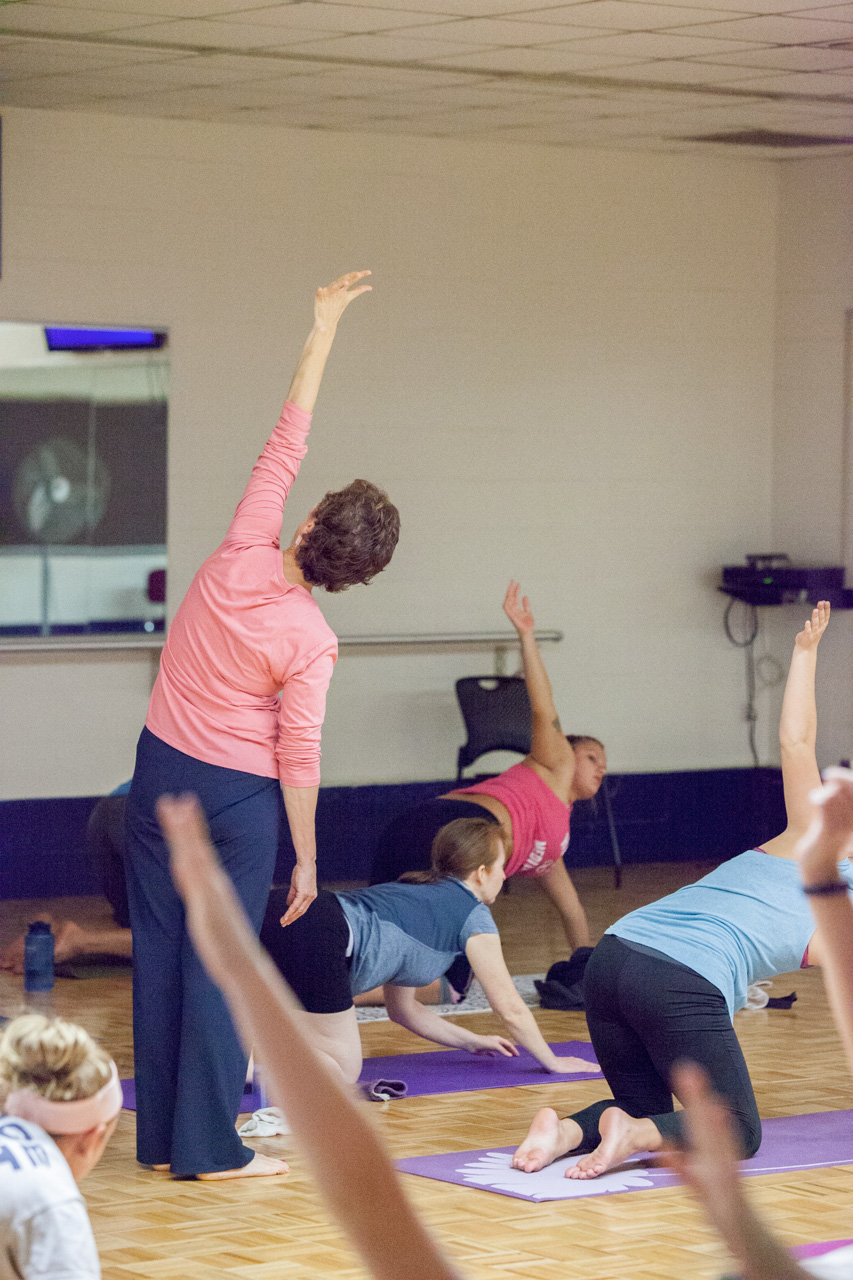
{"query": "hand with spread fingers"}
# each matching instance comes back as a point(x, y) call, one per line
point(814, 628)
point(518, 610)
point(332, 300)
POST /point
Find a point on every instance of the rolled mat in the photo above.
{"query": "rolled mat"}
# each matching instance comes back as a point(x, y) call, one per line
point(789, 1143)
point(447, 1071)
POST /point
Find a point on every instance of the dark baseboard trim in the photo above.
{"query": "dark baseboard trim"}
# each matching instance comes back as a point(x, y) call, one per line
point(708, 814)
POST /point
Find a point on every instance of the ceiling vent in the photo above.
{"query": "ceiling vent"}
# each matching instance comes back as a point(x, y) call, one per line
point(770, 138)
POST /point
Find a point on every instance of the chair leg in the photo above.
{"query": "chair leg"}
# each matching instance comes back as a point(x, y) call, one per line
point(614, 842)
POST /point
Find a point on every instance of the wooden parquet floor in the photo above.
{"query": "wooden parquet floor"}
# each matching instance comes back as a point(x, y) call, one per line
point(148, 1226)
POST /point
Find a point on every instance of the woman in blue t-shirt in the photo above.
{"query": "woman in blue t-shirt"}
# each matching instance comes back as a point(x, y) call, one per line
point(665, 981)
point(402, 936)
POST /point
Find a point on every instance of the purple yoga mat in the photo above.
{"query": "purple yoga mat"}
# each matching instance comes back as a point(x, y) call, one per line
point(449, 1071)
point(789, 1143)
point(817, 1250)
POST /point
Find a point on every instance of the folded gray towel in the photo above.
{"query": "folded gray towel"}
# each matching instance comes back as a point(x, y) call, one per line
point(384, 1090)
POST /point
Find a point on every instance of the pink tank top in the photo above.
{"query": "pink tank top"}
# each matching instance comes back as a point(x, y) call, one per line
point(540, 820)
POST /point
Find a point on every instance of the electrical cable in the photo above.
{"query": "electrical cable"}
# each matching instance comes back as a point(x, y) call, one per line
point(748, 645)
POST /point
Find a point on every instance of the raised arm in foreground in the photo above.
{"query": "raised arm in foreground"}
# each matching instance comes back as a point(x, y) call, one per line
point(709, 1165)
point(827, 841)
point(341, 1147)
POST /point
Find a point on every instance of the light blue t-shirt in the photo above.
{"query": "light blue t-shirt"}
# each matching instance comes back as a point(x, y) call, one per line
point(408, 934)
point(746, 921)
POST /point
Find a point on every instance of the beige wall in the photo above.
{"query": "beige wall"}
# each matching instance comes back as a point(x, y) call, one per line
point(812, 494)
point(565, 374)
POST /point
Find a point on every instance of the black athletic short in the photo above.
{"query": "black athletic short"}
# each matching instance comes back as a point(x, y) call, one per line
point(406, 844)
point(311, 952)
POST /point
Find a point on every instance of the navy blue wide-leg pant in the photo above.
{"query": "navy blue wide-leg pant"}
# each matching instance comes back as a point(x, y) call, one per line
point(190, 1065)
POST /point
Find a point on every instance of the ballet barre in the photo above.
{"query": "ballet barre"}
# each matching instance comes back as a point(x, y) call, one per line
point(499, 642)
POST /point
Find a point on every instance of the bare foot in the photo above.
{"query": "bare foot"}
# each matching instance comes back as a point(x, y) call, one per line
point(69, 941)
point(260, 1167)
point(621, 1137)
point(549, 1138)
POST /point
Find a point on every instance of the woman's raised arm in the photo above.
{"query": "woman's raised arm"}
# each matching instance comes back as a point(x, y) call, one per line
point(337, 1141)
point(330, 303)
point(549, 747)
point(798, 723)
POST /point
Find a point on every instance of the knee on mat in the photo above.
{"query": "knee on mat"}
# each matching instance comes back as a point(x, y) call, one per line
point(750, 1136)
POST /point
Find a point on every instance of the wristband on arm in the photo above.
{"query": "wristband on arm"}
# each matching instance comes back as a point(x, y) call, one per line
point(828, 889)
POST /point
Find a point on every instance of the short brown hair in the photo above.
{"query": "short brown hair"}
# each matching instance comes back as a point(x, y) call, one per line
point(354, 535)
point(459, 848)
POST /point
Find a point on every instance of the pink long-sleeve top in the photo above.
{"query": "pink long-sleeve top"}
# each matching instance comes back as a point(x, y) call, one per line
point(243, 635)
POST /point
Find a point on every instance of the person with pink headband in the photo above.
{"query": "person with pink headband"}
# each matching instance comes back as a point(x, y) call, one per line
point(60, 1099)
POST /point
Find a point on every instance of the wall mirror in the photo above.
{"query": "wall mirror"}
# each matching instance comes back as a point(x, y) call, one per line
point(83, 415)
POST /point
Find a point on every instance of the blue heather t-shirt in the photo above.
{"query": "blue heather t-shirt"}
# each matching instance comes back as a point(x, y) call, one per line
point(746, 921)
point(408, 934)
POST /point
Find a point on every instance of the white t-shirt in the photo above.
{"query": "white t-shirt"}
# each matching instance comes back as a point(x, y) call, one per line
point(45, 1232)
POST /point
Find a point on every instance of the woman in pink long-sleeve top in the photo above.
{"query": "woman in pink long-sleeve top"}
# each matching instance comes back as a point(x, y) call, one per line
point(236, 712)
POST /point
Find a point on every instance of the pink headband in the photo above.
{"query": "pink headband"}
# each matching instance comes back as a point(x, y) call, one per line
point(67, 1117)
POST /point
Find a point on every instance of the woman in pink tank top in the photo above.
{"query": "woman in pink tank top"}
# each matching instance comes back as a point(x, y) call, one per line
point(532, 801)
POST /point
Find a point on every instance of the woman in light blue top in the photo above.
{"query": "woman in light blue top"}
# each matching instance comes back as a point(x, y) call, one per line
point(665, 981)
point(402, 936)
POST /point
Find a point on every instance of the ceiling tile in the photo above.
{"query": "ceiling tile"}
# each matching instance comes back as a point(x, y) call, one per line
point(206, 33)
point(166, 8)
point(776, 29)
point(50, 57)
point(651, 44)
point(636, 15)
point(345, 19)
point(836, 12)
point(47, 19)
point(460, 8)
point(791, 58)
point(673, 73)
point(539, 61)
point(388, 47)
point(826, 84)
point(499, 32)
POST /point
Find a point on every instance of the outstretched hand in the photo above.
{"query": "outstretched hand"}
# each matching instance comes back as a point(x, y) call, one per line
point(811, 633)
point(332, 300)
point(571, 1066)
point(518, 611)
point(492, 1047)
point(830, 834)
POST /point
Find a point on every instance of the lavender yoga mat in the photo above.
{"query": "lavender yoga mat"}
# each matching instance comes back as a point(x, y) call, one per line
point(789, 1143)
point(448, 1071)
point(817, 1250)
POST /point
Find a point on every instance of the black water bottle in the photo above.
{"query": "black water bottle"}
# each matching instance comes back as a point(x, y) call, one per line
point(38, 957)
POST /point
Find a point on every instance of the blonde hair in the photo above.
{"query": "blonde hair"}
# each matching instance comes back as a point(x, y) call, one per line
point(458, 849)
point(51, 1057)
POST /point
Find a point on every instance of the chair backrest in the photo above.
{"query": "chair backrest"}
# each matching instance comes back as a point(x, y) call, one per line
point(497, 715)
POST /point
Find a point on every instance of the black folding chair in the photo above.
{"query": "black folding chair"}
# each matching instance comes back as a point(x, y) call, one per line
point(496, 711)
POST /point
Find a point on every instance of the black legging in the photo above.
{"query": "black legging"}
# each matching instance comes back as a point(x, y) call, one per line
point(646, 1014)
point(105, 847)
